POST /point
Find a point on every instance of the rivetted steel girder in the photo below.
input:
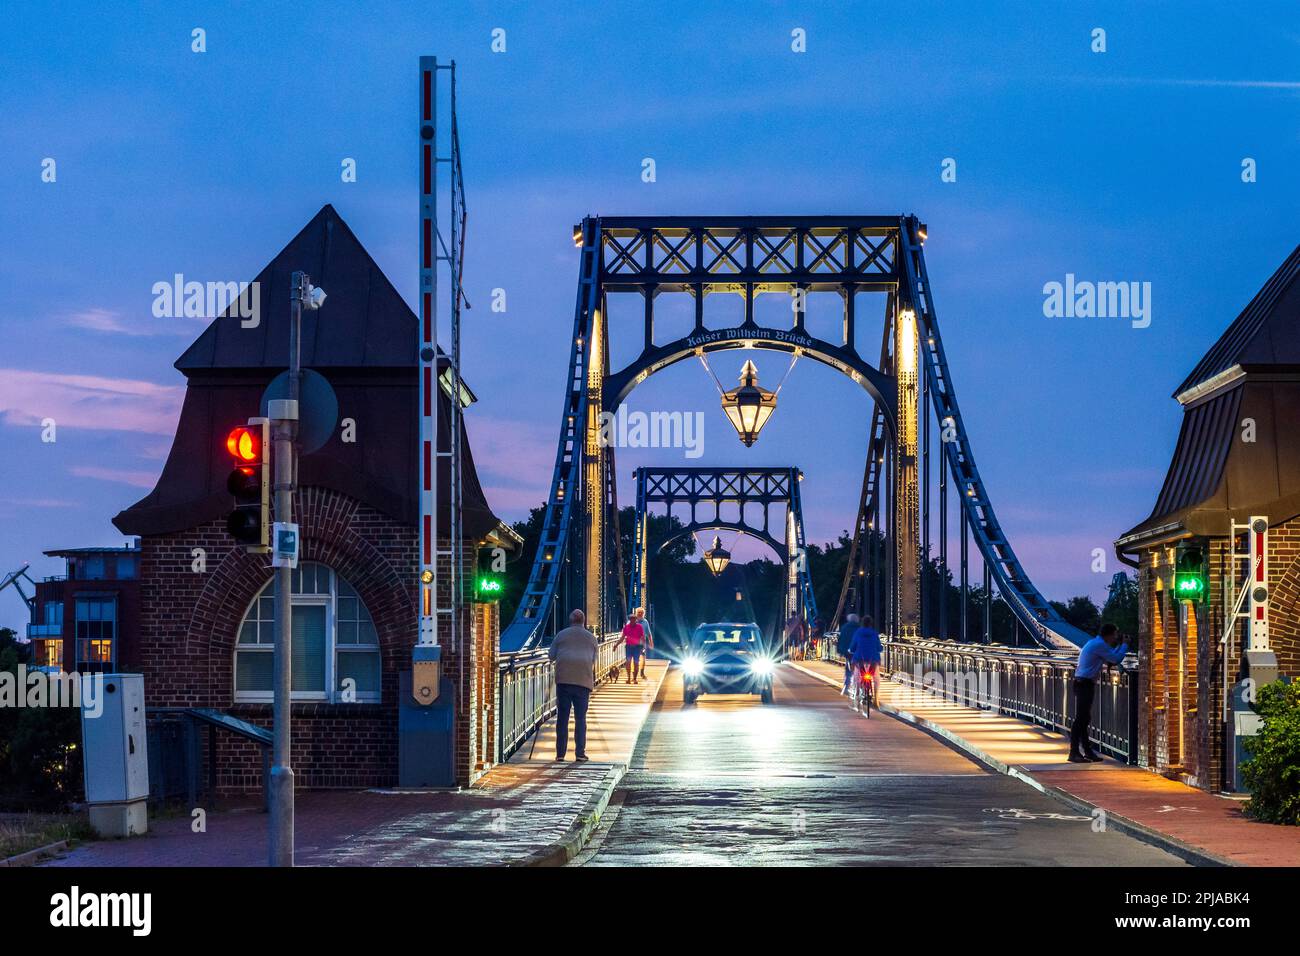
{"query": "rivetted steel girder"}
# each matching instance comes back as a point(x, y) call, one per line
point(750, 255)
point(716, 487)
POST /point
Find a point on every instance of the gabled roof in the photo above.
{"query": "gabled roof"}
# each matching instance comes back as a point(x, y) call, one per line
point(1250, 375)
point(1196, 469)
point(380, 331)
point(364, 326)
point(1267, 332)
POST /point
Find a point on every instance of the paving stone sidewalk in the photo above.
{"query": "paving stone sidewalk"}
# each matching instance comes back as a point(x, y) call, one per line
point(518, 811)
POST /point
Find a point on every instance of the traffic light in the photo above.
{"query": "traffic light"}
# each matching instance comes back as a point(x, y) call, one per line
point(250, 483)
point(488, 587)
point(1189, 572)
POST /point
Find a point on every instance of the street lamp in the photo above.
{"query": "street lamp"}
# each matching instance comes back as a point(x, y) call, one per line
point(749, 406)
point(717, 557)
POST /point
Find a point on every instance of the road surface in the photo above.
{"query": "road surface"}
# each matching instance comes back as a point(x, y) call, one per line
point(806, 781)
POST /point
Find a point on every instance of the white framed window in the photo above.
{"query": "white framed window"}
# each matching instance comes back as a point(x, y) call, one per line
point(335, 645)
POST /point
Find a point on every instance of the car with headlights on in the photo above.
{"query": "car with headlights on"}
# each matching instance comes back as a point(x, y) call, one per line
point(727, 658)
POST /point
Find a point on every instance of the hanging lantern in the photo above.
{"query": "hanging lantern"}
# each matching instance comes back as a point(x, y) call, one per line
point(717, 557)
point(749, 406)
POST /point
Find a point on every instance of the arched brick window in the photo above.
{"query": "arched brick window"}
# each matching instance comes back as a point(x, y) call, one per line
point(335, 646)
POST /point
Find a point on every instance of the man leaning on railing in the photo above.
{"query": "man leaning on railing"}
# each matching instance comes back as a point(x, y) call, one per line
point(1098, 651)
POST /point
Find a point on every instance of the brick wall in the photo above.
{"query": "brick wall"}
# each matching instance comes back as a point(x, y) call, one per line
point(487, 647)
point(1146, 670)
point(192, 602)
point(1194, 749)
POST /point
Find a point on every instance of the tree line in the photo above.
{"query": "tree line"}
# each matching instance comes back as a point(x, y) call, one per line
point(684, 593)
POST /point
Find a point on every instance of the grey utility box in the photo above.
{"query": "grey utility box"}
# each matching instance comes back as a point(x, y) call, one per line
point(115, 751)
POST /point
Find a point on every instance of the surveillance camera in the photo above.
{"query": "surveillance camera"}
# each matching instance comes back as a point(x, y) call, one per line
point(316, 297)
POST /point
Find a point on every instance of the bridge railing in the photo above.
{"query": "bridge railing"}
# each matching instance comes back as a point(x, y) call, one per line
point(1031, 684)
point(526, 690)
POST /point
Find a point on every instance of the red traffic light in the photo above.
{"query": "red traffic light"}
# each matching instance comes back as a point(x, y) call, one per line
point(245, 444)
point(250, 522)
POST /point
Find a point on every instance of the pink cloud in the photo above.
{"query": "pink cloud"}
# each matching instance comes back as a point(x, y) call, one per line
point(511, 448)
point(512, 503)
point(140, 479)
point(107, 320)
point(28, 397)
point(508, 452)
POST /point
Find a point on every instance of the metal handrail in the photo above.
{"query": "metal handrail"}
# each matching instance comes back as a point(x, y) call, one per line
point(167, 780)
point(1030, 685)
point(526, 690)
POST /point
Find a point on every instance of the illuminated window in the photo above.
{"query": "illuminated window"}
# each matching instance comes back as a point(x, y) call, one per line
point(335, 644)
point(96, 630)
point(49, 653)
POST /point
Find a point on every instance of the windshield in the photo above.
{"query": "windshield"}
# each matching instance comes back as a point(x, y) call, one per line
point(736, 635)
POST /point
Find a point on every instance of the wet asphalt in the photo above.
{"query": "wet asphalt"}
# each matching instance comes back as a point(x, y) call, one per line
point(805, 781)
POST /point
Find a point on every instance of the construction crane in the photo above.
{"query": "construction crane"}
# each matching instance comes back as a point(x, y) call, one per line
point(15, 578)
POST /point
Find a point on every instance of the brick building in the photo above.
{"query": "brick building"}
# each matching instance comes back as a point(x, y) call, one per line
point(1237, 456)
point(87, 618)
point(206, 615)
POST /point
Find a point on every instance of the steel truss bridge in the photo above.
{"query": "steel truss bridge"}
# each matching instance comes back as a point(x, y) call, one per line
point(914, 414)
point(706, 492)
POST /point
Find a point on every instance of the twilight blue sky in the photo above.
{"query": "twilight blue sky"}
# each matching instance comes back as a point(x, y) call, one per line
point(1121, 166)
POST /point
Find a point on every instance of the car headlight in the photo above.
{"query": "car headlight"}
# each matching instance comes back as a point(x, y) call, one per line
point(762, 666)
point(692, 666)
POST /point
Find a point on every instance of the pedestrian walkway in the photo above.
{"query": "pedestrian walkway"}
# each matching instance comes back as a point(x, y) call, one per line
point(1151, 806)
point(614, 721)
point(531, 810)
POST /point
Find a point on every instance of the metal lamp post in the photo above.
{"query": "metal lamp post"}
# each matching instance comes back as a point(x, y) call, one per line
point(284, 433)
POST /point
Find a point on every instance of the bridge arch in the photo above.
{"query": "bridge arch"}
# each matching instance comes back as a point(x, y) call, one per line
point(881, 387)
point(751, 255)
point(696, 528)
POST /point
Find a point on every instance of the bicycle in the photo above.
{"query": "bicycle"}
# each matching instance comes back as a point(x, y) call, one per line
point(863, 694)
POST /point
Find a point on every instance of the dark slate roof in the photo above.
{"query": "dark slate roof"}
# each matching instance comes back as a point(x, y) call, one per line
point(379, 469)
point(1267, 332)
point(379, 331)
point(1196, 470)
point(79, 552)
point(1215, 477)
point(364, 344)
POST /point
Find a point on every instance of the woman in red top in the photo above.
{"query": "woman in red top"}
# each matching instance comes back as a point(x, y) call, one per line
point(633, 639)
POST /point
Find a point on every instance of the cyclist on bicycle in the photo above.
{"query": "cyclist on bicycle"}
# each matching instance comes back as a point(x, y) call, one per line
point(865, 651)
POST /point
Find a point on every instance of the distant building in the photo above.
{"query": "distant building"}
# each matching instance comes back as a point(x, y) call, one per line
point(86, 619)
point(1237, 456)
point(206, 613)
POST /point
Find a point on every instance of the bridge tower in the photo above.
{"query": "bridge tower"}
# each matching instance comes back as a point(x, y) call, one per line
point(907, 515)
point(595, 460)
point(578, 556)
